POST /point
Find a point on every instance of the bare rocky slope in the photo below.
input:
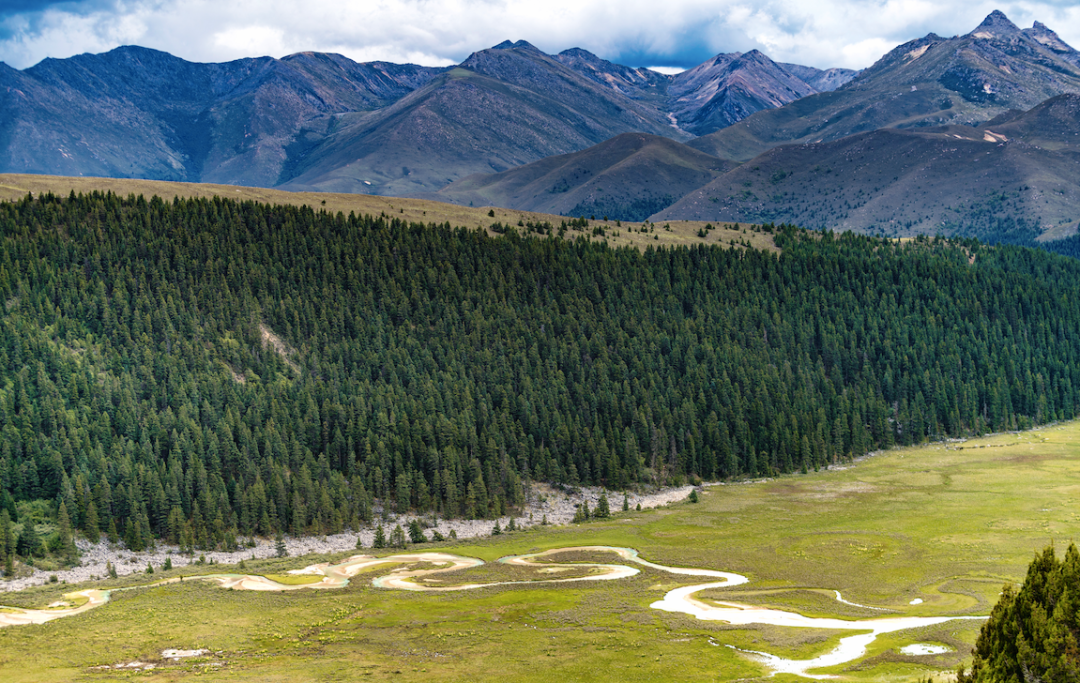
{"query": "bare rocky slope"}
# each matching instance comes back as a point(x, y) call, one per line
point(931, 81)
point(1015, 178)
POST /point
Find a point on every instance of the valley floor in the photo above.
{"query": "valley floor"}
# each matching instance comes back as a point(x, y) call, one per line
point(925, 532)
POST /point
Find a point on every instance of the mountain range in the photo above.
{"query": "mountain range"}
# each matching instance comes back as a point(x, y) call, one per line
point(974, 134)
point(318, 121)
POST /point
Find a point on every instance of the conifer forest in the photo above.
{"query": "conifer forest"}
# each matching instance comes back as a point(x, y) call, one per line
point(202, 370)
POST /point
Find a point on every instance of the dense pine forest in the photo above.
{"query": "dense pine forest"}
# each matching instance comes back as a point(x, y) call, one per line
point(202, 370)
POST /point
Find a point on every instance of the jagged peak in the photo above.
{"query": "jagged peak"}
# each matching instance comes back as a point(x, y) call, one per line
point(995, 25)
point(1044, 35)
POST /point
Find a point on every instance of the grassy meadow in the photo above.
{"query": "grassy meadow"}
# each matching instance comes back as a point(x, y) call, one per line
point(945, 523)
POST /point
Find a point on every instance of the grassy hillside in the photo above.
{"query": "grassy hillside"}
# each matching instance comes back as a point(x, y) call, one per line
point(629, 177)
point(946, 523)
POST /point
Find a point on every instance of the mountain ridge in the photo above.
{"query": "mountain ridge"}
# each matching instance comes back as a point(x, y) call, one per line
point(1016, 178)
point(138, 112)
point(928, 81)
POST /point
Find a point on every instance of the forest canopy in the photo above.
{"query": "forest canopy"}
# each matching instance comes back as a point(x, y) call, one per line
point(200, 369)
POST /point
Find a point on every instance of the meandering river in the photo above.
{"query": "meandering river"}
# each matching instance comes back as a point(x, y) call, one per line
point(414, 572)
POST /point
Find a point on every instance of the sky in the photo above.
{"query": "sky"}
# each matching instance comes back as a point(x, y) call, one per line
point(673, 33)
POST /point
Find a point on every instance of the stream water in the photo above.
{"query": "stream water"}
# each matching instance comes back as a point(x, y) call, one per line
point(680, 600)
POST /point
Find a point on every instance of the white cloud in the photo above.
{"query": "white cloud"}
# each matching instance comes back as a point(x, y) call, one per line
point(851, 33)
point(667, 70)
point(251, 40)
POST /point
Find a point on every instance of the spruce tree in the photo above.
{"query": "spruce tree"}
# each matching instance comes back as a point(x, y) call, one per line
point(63, 524)
point(92, 526)
point(397, 537)
point(380, 537)
point(1033, 633)
point(416, 534)
point(7, 538)
point(603, 510)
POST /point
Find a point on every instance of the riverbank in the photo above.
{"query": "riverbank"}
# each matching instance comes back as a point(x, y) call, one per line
point(558, 507)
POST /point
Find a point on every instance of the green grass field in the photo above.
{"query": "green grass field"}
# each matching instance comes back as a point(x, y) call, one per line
point(946, 523)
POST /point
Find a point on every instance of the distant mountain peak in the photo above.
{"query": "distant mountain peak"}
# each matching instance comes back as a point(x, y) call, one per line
point(995, 25)
point(509, 45)
point(1045, 36)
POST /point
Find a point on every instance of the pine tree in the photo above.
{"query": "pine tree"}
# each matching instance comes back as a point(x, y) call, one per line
point(603, 511)
point(380, 537)
point(416, 534)
point(626, 502)
point(63, 524)
point(280, 549)
point(397, 537)
point(693, 497)
point(1033, 633)
point(495, 530)
point(91, 525)
point(7, 539)
point(29, 543)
